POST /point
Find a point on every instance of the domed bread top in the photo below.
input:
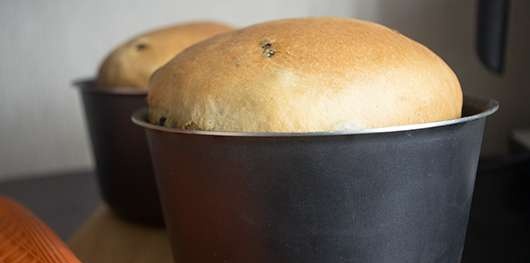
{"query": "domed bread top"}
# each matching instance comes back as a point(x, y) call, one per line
point(304, 75)
point(132, 63)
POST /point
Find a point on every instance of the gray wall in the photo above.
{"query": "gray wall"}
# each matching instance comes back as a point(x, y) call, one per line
point(47, 44)
point(448, 27)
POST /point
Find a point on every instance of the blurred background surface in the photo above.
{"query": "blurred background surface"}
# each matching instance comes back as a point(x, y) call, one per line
point(48, 44)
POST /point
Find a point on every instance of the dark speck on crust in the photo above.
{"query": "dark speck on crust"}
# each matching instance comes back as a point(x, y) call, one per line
point(162, 121)
point(141, 46)
point(268, 50)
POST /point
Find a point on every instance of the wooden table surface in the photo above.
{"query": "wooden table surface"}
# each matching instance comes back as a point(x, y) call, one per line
point(104, 238)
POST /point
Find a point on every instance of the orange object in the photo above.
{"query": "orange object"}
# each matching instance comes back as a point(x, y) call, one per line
point(25, 238)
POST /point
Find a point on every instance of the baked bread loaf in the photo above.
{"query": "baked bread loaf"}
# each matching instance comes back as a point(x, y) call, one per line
point(304, 75)
point(132, 63)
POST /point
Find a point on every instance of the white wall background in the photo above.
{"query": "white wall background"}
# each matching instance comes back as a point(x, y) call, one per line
point(44, 45)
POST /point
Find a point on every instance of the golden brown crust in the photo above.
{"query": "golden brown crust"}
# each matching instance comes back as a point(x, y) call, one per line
point(304, 75)
point(132, 63)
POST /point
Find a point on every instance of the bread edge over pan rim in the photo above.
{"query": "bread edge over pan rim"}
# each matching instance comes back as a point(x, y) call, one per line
point(484, 108)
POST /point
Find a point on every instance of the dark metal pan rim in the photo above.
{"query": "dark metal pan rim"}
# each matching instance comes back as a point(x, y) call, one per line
point(480, 108)
point(90, 85)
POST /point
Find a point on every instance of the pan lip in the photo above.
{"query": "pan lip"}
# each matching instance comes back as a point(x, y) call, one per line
point(89, 85)
point(487, 106)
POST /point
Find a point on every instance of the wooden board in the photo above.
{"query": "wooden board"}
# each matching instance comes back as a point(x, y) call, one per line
point(104, 238)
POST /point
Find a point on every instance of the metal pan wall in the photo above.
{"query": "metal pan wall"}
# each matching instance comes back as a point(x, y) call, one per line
point(123, 164)
point(384, 195)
